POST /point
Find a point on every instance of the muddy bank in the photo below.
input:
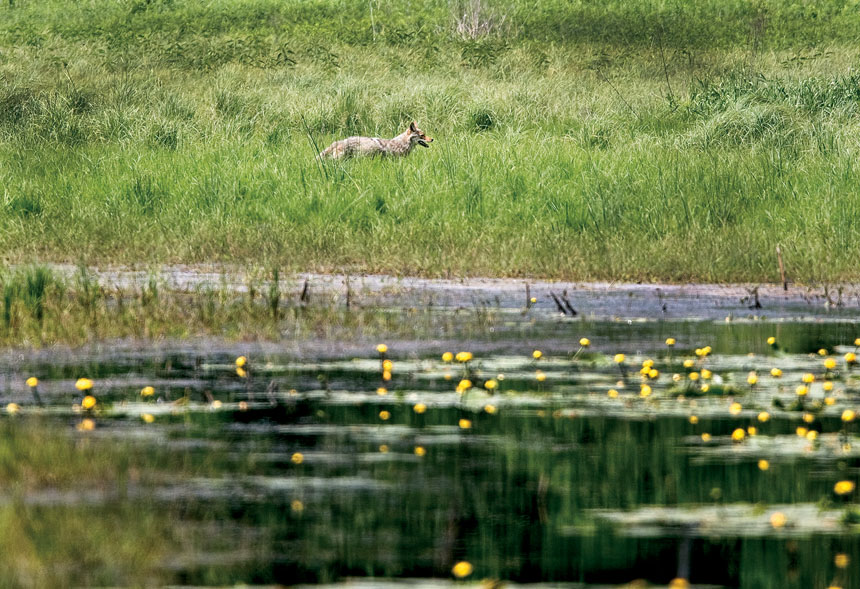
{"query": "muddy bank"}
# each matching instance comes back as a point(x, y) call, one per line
point(592, 300)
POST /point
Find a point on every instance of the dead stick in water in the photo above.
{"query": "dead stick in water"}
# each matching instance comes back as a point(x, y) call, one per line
point(348, 294)
point(781, 268)
point(305, 297)
point(558, 304)
point(567, 304)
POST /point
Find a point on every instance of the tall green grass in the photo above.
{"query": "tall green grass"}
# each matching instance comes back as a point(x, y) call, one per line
point(634, 140)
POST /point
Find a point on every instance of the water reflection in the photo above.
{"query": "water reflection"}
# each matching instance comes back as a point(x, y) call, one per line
point(291, 474)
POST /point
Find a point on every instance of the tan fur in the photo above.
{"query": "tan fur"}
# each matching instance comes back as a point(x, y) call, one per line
point(374, 146)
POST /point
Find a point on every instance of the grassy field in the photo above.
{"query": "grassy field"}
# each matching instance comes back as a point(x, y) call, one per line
point(632, 140)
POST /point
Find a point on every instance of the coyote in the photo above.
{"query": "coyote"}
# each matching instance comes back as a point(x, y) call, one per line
point(372, 146)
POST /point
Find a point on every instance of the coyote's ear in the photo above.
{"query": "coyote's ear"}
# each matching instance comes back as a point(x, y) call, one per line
point(412, 126)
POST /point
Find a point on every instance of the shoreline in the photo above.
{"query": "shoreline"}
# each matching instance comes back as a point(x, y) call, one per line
point(593, 300)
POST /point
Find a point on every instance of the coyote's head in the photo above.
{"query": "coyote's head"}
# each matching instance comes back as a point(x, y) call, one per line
point(416, 135)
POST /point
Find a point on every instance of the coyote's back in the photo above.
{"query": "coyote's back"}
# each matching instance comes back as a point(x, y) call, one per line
point(397, 146)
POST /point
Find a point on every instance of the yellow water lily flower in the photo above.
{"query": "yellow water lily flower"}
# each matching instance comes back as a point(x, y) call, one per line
point(462, 569)
point(843, 487)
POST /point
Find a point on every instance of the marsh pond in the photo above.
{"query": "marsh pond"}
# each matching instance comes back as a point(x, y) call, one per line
point(656, 437)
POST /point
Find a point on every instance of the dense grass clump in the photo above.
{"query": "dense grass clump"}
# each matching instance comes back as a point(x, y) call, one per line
point(620, 140)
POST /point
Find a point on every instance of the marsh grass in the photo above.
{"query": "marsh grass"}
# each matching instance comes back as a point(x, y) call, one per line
point(619, 141)
point(41, 306)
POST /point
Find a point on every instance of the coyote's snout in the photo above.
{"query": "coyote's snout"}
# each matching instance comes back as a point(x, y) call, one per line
point(398, 146)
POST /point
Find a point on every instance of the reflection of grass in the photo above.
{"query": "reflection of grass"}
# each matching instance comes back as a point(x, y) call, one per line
point(78, 511)
point(61, 546)
point(63, 520)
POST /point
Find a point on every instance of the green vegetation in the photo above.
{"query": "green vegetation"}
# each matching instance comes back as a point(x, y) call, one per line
point(584, 140)
point(40, 307)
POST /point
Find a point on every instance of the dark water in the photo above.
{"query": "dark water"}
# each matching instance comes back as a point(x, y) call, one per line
point(560, 483)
